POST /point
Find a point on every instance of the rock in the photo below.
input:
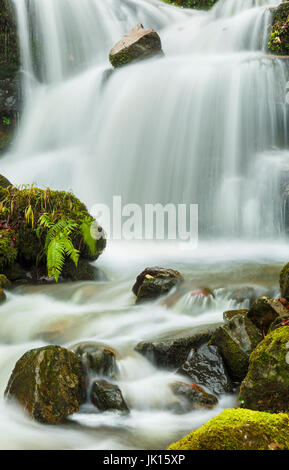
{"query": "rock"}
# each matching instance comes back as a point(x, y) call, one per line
point(170, 353)
point(195, 4)
point(205, 367)
point(238, 429)
point(278, 322)
point(191, 397)
point(279, 35)
point(137, 44)
point(246, 294)
point(15, 273)
point(229, 314)
point(84, 271)
point(4, 282)
point(2, 296)
point(284, 279)
point(155, 282)
point(107, 397)
point(265, 387)
point(235, 341)
point(264, 310)
point(4, 182)
point(193, 298)
point(49, 383)
point(98, 358)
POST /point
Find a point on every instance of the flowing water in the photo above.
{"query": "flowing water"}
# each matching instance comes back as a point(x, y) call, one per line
point(205, 124)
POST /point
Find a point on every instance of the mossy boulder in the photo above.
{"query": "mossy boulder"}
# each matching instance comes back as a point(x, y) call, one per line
point(284, 280)
point(265, 387)
point(137, 44)
point(279, 35)
point(107, 397)
point(4, 282)
point(2, 296)
point(264, 311)
point(205, 367)
point(191, 397)
point(195, 4)
point(97, 358)
point(235, 341)
point(238, 429)
point(49, 383)
point(155, 282)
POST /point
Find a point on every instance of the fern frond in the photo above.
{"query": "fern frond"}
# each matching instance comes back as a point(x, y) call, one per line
point(56, 257)
point(89, 240)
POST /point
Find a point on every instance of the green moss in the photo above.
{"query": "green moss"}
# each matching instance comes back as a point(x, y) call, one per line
point(4, 282)
point(9, 45)
point(266, 385)
point(196, 4)
point(239, 429)
point(279, 37)
point(8, 250)
point(284, 281)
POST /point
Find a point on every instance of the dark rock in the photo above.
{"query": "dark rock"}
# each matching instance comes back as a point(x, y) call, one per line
point(235, 341)
point(154, 282)
point(205, 367)
point(84, 271)
point(265, 387)
point(279, 322)
point(107, 397)
point(98, 358)
point(191, 397)
point(229, 314)
point(137, 44)
point(49, 383)
point(264, 311)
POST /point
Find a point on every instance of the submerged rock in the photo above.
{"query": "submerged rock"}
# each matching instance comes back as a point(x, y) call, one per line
point(264, 311)
point(49, 383)
point(107, 397)
point(235, 341)
point(138, 43)
point(238, 429)
point(284, 279)
point(98, 358)
point(205, 367)
point(155, 282)
point(191, 397)
point(265, 387)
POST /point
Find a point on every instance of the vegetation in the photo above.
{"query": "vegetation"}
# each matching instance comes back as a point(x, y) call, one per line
point(279, 37)
point(196, 4)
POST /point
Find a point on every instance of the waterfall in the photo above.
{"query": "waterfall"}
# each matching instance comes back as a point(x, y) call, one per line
point(183, 128)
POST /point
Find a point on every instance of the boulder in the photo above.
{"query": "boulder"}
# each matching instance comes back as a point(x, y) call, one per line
point(2, 296)
point(84, 271)
point(235, 341)
point(229, 314)
point(49, 383)
point(107, 397)
point(155, 282)
point(264, 311)
point(265, 387)
point(4, 282)
point(238, 429)
point(278, 322)
point(191, 397)
point(279, 34)
point(139, 43)
point(205, 367)
point(284, 280)
point(170, 353)
point(97, 358)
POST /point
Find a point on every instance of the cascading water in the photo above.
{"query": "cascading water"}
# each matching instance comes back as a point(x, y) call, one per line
point(205, 124)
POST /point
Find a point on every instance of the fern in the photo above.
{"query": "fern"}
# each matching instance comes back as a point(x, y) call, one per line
point(89, 240)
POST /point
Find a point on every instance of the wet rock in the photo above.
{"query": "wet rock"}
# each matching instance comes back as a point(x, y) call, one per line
point(4, 182)
point(205, 367)
point(279, 322)
point(4, 282)
point(155, 282)
point(98, 358)
point(2, 296)
point(137, 44)
point(239, 429)
point(229, 314)
point(170, 353)
point(107, 397)
point(235, 341)
point(265, 387)
point(49, 383)
point(84, 271)
point(284, 279)
point(279, 34)
point(191, 397)
point(243, 294)
point(264, 311)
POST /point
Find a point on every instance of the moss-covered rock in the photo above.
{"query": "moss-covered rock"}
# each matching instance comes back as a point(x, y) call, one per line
point(2, 296)
point(235, 341)
point(49, 383)
point(4, 182)
point(191, 397)
point(238, 429)
point(107, 397)
point(98, 358)
point(155, 282)
point(4, 282)
point(264, 311)
point(284, 280)
point(265, 387)
point(8, 249)
point(137, 44)
point(279, 322)
point(279, 37)
point(196, 4)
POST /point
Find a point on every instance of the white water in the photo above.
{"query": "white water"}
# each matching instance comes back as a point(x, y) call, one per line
point(205, 124)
